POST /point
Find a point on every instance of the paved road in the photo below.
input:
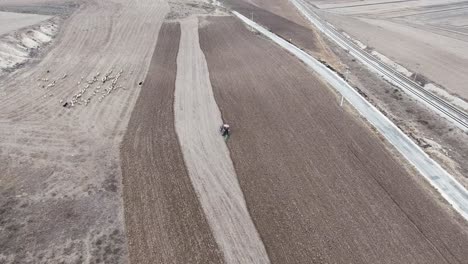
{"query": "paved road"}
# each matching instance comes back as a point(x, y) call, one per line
point(456, 116)
point(448, 187)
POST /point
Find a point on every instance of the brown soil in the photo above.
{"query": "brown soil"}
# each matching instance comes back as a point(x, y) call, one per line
point(164, 220)
point(279, 7)
point(321, 187)
point(299, 34)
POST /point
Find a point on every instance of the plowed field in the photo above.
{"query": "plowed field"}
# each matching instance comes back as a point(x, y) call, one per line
point(319, 184)
point(165, 223)
point(285, 22)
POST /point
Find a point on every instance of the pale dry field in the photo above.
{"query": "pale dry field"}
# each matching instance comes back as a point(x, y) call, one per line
point(60, 193)
point(427, 37)
point(17, 47)
point(10, 21)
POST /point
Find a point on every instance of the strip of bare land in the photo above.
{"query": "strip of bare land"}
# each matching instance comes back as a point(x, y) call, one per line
point(197, 119)
point(320, 186)
point(165, 223)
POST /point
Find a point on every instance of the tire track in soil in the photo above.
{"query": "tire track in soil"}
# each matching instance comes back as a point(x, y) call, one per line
point(164, 220)
point(319, 185)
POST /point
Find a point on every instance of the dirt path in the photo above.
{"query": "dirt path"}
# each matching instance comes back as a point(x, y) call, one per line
point(197, 119)
point(165, 223)
point(320, 186)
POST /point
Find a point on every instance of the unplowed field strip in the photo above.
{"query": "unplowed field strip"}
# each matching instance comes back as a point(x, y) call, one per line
point(197, 119)
point(319, 184)
point(164, 220)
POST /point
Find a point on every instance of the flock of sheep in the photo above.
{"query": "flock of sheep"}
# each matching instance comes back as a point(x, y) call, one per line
point(83, 96)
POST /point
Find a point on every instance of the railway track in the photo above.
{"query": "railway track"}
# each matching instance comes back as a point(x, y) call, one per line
point(457, 116)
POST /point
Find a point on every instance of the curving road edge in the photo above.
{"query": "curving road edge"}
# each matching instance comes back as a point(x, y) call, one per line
point(447, 186)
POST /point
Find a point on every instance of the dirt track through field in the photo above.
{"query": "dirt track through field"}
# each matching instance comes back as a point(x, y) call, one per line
point(319, 185)
point(197, 120)
point(165, 223)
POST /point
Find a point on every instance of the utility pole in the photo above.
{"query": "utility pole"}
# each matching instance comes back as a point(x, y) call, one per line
point(416, 72)
point(346, 80)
